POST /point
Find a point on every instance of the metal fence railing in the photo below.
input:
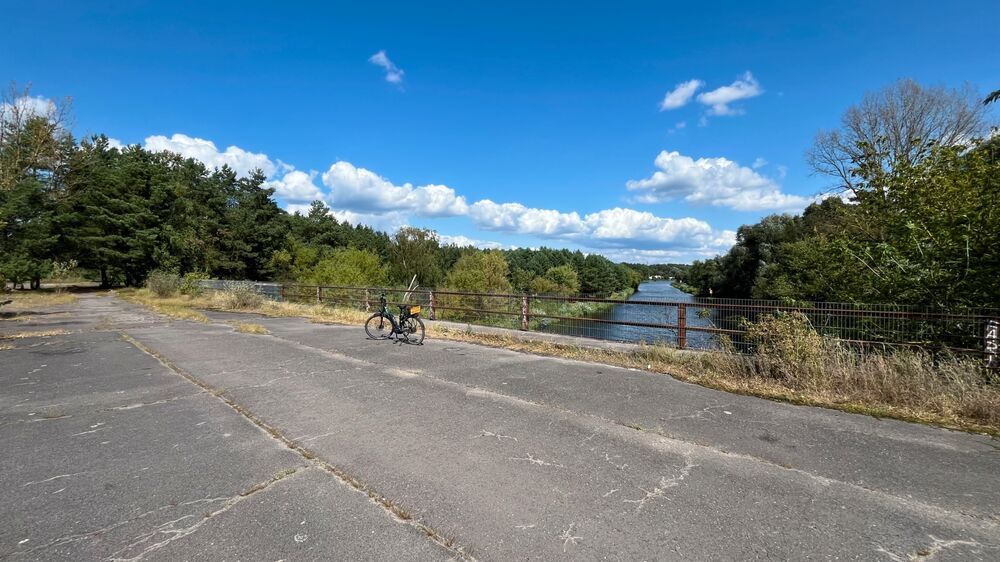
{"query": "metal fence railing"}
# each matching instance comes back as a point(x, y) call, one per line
point(698, 323)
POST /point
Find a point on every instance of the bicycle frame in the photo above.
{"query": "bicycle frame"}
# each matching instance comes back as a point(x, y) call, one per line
point(396, 326)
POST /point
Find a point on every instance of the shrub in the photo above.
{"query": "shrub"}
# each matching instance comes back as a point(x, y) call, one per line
point(788, 342)
point(163, 283)
point(241, 295)
point(191, 284)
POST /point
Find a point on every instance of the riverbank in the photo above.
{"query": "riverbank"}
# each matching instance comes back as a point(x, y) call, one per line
point(682, 286)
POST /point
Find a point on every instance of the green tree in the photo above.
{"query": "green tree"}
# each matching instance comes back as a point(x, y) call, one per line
point(33, 149)
point(478, 271)
point(415, 252)
point(559, 280)
point(349, 267)
point(255, 227)
point(598, 276)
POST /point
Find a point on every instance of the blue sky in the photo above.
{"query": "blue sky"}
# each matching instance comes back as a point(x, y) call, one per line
point(513, 124)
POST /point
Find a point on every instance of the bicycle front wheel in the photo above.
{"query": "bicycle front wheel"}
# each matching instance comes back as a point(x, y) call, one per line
point(413, 330)
point(378, 327)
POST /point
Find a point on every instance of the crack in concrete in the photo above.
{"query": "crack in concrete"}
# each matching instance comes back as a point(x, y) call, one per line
point(702, 414)
point(936, 547)
point(568, 538)
point(154, 403)
point(174, 534)
point(393, 510)
point(58, 477)
point(607, 459)
point(665, 484)
point(531, 459)
point(68, 539)
point(498, 436)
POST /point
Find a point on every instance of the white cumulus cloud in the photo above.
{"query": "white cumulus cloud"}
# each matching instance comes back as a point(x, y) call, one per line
point(393, 74)
point(712, 181)
point(386, 222)
point(515, 217)
point(362, 190)
point(464, 241)
point(718, 100)
point(205, 151)
point(296, 186)
point(608, 228)
point(680, 95)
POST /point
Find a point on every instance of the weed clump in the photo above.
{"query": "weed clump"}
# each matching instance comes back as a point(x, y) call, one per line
point(787, 345)
point(191, 283)
point(240, 295)
point(163, 283)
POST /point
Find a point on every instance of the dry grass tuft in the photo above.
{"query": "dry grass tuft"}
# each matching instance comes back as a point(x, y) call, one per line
point(180, 307)
point(239, 295)
point(53, 413)
point(248, 328)
point(35, 334)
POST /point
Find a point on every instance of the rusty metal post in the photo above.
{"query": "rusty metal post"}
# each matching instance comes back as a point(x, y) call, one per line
point(682, 333)
point(524, 312)
point(431, 305)
point(282, 292)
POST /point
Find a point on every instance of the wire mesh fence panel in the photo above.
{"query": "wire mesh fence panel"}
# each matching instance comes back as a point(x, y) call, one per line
point(692, 323)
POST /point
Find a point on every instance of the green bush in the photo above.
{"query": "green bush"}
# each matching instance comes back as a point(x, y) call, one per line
point(191, 284)
point(789, 342)
point(163, 283)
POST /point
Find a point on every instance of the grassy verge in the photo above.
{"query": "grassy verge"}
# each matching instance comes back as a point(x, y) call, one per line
point(180, 307)
point(23, 301)
point(913, 386)
point(682, 286)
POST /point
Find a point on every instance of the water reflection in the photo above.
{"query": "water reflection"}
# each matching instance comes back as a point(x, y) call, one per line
point(660, 291)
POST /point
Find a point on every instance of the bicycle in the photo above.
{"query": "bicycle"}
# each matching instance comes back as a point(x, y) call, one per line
point(383, 324)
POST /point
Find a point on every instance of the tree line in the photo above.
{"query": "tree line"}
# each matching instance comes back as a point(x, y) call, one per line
point(917, 220)
point(120, 214)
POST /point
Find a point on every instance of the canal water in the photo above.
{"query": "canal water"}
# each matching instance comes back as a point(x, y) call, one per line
point(661, 291)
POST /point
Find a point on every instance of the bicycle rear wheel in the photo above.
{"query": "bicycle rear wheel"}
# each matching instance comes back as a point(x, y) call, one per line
point(378, 327)
point(413, 330)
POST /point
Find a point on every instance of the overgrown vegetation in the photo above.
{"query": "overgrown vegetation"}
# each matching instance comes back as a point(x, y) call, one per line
point(163, 283)
point(22, 301)
point(240, 295)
